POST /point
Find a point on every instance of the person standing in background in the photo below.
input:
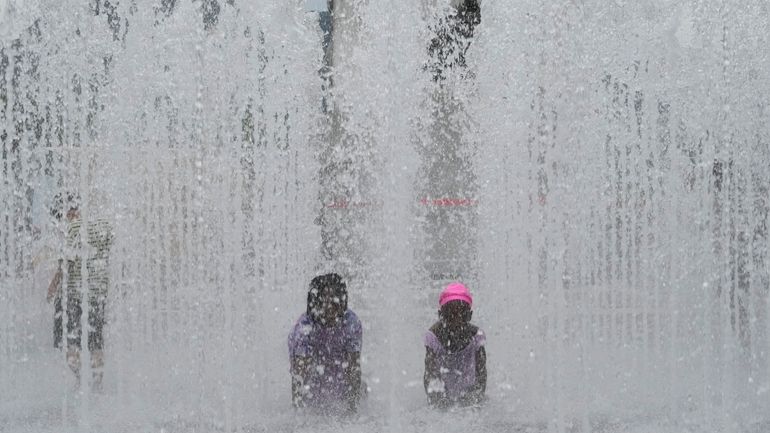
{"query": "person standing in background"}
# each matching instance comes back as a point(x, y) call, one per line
point(96, 249)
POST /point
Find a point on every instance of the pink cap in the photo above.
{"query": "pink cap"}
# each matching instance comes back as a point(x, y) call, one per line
point(455, 291)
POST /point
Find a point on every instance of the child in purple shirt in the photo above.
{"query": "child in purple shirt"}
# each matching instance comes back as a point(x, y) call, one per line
point(455, 358)
point(325, 350)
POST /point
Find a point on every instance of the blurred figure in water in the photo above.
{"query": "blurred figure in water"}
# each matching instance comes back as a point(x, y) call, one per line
point(452, 37)
point(325, 351)
point(455, 358)
point(98, 239)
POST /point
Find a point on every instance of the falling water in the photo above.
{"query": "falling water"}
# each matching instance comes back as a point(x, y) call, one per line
point(597, 173)
point(625, 226)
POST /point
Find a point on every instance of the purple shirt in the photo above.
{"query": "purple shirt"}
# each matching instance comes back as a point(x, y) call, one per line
point(329, 349)
point(458, 369)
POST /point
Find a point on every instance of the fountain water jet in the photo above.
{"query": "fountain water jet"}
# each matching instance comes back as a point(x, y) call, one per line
point(614, 164)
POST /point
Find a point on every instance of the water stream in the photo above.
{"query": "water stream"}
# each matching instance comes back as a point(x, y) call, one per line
point(598, 174)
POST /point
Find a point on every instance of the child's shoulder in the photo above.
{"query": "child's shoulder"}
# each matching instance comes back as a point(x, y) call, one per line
point(478, 335)
point(300, 333)
point(304, 324)
point(435, 328)
point(430, 339)
point(351, 318)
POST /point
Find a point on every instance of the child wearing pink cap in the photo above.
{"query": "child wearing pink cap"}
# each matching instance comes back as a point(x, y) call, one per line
point(455, 358)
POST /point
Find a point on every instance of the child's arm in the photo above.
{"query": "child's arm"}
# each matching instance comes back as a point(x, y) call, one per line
point(432, 381)
point(300, 366)
point(353, 377)
point(481, 372)
point(55, 285)
point(476, 394)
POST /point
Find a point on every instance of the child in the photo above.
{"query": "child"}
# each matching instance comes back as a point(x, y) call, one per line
point(455, 358)
point(92, 242)
point(325, 350)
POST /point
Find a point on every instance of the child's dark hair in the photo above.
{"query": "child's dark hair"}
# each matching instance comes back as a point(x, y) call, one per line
point(320, 283)
point(64, 202)
point(466, 313)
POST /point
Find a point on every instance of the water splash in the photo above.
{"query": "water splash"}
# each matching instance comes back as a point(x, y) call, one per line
point(597, 173)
